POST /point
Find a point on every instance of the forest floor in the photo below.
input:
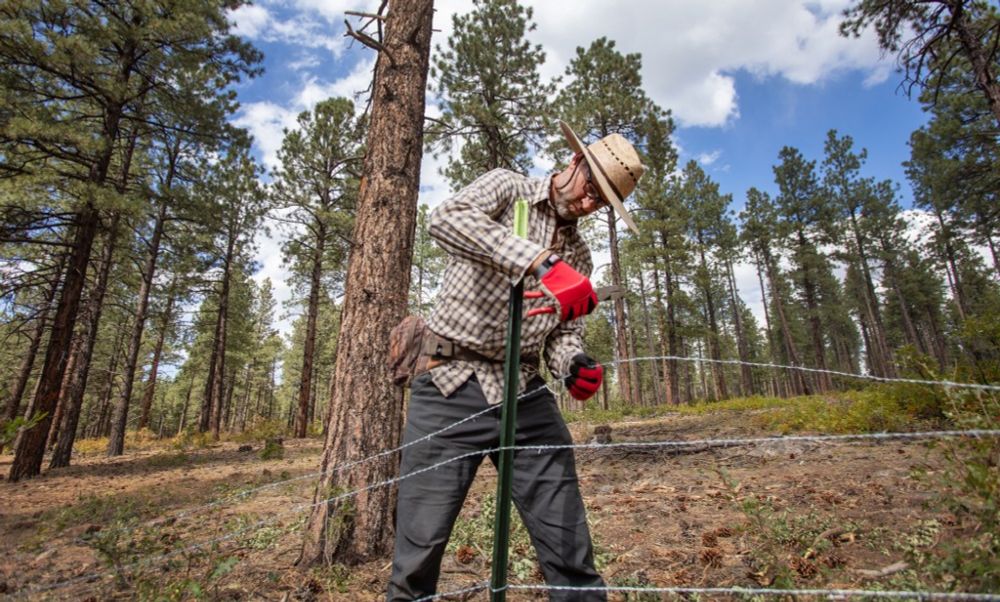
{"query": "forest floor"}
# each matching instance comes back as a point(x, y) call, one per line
point(795, 514)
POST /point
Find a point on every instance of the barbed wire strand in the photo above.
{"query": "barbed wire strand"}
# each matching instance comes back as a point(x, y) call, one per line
point(734, 442)
point(849, 593)
point(482, 453)
point(244, 494)
point(885, 379)
point(485, 585)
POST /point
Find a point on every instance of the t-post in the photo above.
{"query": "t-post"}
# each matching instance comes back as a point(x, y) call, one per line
point(508, 422)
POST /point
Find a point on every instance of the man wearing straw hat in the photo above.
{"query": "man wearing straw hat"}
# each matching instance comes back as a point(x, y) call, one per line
point(461, 374)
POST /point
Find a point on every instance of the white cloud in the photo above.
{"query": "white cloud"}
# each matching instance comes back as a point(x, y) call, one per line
point(709, 158)
point(691, 49)
point(250, 20)
point(266, 121)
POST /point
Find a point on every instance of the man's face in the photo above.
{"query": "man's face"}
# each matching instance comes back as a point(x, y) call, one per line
point(575, 194)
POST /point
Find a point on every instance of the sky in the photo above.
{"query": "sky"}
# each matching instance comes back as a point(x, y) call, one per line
point(742, 79)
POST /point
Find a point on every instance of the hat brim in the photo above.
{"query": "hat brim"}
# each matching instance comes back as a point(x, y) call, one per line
point(597, 176)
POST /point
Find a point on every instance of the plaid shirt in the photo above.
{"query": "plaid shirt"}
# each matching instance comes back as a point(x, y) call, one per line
point(475, 227)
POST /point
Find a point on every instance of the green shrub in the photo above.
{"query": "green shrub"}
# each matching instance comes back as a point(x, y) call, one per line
point(273, 450)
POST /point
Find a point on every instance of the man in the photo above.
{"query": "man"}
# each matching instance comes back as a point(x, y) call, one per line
point(465, 367)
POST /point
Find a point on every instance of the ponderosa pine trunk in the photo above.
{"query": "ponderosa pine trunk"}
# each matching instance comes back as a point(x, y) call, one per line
point(119, 416)
point(661, 319)
point(746, 375)
point(215, 383)
point(309, 345)
point(714, 351)
point(650, 349)
point(366, 408)
point(809, 290)
point(673, 346)
point(83, 353)
point(777, 388)
point(29, 449)
point(13, 405)
point(625, 369)
point(154, 369)
point(884, 357)
point(800, 384)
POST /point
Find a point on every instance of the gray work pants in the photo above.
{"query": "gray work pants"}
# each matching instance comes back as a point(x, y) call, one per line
point(545, 488)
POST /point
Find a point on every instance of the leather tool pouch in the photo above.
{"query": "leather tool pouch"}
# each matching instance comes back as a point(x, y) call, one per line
point(407, 359)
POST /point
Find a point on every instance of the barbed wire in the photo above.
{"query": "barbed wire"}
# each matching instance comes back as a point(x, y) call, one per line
point(886, 379)
point(734, 442)
point(345, 466)
point(848, 593)
point(482, 453)
point(484, 585)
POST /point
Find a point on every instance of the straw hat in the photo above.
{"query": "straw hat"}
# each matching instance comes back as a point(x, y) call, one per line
point(614, 167)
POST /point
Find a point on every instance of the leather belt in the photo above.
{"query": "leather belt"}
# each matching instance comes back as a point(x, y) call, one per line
point(437, 350)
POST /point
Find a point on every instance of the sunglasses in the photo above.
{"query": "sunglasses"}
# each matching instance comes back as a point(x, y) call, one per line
point(590, 190)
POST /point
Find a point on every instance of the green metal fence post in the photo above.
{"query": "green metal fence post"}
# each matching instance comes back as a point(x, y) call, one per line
point(508, 423)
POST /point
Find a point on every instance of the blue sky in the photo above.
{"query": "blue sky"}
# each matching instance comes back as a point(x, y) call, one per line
point(775, 113)
point(742, 77)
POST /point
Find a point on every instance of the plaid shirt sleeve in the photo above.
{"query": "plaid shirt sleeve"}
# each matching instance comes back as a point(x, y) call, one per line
point(469, 226)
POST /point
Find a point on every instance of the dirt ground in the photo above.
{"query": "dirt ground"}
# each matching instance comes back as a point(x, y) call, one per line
point(810, 515)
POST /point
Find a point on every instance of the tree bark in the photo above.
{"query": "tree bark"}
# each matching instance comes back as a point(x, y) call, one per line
point(366, 408)
point(721, 391)
point(669, 388)
point(621, 336)
point(650, 349)
point(119, 416)
point(815, 325)
point(954, 277)
point(215, 383)
point(309, 345)
point(150, 388)
point(800, 384)
point(870, 300)
point(30, 445)
point(746, 375)
point(776, 383)
point(83, 353)
point(672, 343)
point(28, 361)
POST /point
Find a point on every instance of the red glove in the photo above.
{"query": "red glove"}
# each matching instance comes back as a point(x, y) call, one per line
point(585, 376)
point(571, 289)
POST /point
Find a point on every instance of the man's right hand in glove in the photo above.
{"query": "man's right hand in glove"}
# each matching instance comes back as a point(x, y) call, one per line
point(585, 376)
point(572, 290)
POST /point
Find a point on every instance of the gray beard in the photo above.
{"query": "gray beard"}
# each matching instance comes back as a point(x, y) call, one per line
point(562, 208)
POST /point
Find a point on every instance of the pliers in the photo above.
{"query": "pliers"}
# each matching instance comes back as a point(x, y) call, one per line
point(603, 294)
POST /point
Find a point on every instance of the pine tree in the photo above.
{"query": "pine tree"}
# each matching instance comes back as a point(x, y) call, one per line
point(84, 70)
point(314, 191)
point(493, 102)
point(706, 210)
point(428, 266)
point(662, 222)
point(928, 35)
point(801, 210)
point(238, 206)
point(760, 230)
point(847, 193)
